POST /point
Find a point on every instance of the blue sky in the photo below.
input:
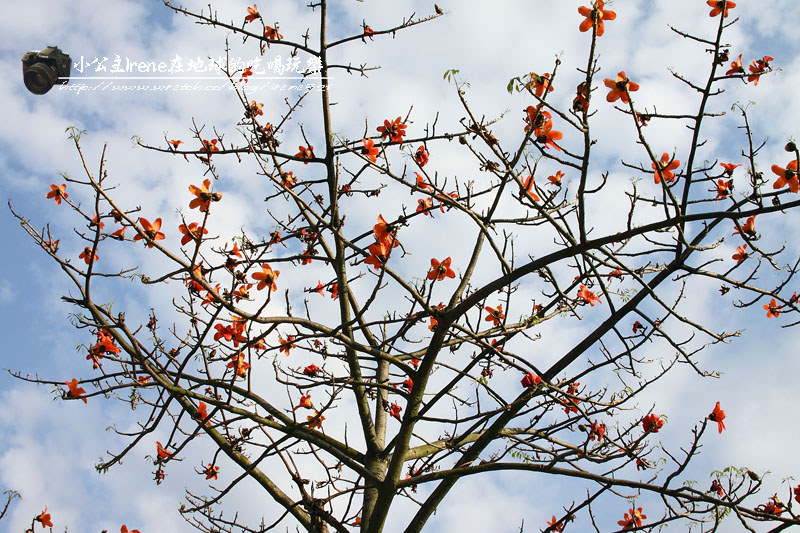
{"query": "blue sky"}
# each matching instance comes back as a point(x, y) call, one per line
point(48, 447)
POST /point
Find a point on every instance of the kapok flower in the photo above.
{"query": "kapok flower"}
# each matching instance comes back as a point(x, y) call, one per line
point(757, 68)
point(252, 14)
point(665, 168)
point(787, 176)
point(651, 424)
point(202, 412)
point(718, 415)
point(797, 493)
point(729, 167)
point(287, 344)
point(74, 390)
point(422, 184)
point(595, 16)
point(370, 150)
point(382, 231)
point(723, 188)
point(632, 520)
point(315, 420)
point(495, 314)
point(720, 6)
point(394, 411)
point(716, 486)
point(305, 153)
point(161, 452)
point(748, 228)
point(555, 525)
point(741, 254)
point(239, 365)
point(272, 33)
point(773, 309)
point(530, 380)
point(311, 370)
point(266, 278)
point(546, 134)
point(620, 87)
point(421, 156)
point(211, 471)
point(44, 518)
point(394, 130)
point(527, 187)
point(378, 254)
point(58, 192)
point(539, 84)
point(209, 146)
point(88, 256)
point(305, 402)
point(247, 72)
point(774, 506)
point(440, 270)
point(637, 326)
point(597, 431)
point(555, 179)
point(151, 231)
point(191, 232)
point(588, 296)
point(203, 196)
point(736, 67)
point(408, 384)
point(255, 109)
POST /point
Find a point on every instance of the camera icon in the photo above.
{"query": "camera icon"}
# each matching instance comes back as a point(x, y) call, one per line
point(41, 70)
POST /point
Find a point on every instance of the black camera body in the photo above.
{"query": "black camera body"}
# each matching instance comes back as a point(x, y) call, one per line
point(41, 70)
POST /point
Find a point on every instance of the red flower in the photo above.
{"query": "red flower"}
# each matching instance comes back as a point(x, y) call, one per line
point(554, 525)
point(287, 344)
point(495, 314)
point(421, 156)
point(252, 14)
point(422, 184)
point(266, 278)
point(556, 178)
point(748, 228)
point(334, 290)
point(203, 196)
point(530, 380)
point(595, 16)
point(620, 87)
point(717, 487)
point(539, 84)
point(119, 234)
point(774, 506)
point(209, 146)
point(394, 130)
point(161, 452)
point(637, 326)
point(255, 109)
point(245, 73)
point(736, 67)
point(633, 520)
point(723, 188)
point(44, 518)
point(651, 424)
point(797, 493)
point(757, 68)
point(305, 401)
point(597, 431)
point(588, 296)
point(442, 270)
point(239, 365)
point(741, 254)
point(272, 33)
point(368, 32)
point(211, 471)
point(720, 6)
point(305, 153)
point(729, 168)
point(527, 186)
point(315, 420)
point(191, 232)
point(57, 192)
point(311, 370)
point(150, 230)
point(202, 412)
point(773, 309)
point(394, 411)
point(88, 256)
point(546, 134)
point(665, 168)
point(408, 384)
point(718, 415)
point(370, 150)
point(787, 176)
point(378, 254)
point(382, 231)
point(124, 529)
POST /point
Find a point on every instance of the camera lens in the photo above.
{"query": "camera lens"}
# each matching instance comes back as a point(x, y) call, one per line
point(40, 78)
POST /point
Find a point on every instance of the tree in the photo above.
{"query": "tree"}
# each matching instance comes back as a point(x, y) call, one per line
point(434, 359)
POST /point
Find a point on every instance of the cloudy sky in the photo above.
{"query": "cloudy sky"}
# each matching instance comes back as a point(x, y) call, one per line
point(48, 447)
